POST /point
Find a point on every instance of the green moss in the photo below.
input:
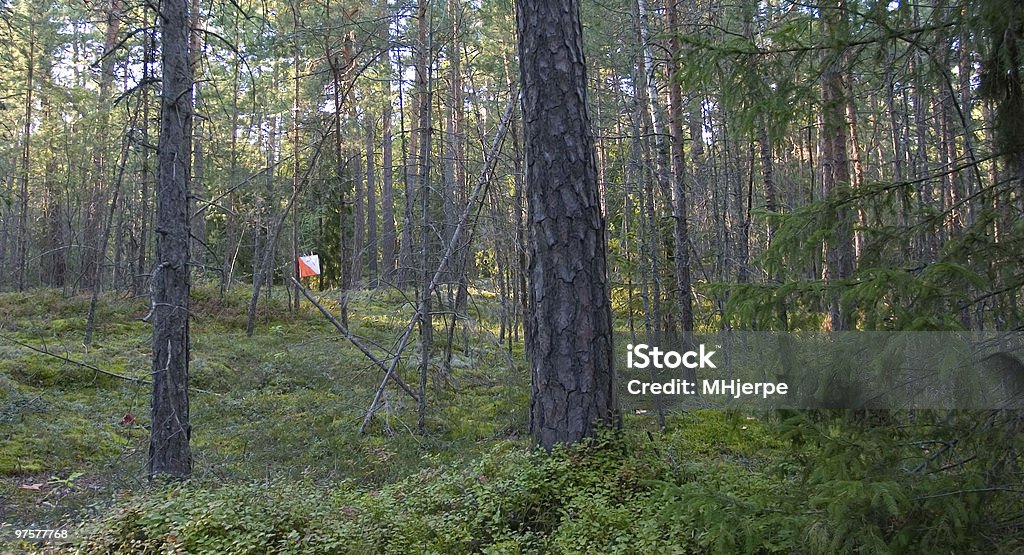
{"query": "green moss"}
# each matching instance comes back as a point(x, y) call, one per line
point(33, 369)
point(64, 325)
point(280, 464)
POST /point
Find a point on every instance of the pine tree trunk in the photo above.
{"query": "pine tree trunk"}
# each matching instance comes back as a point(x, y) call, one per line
point(231, 232)
point(296, 162)
point(424, 131)
point(145, 216)
point(21, 254)
point(410, 153)
point(199, 211)
point(53, 261)
point(338, 66)
point(835, 162)
point(388, 232)
point(169, 451)
point(372, 243)
point(358, 216)
point(681, 232)
point(570, 329)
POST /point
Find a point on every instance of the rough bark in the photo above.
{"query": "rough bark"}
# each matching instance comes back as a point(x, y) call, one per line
point(169, 451)
point(570, 331)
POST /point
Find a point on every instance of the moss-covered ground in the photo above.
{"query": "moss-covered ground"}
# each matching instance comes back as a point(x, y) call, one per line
point(281, 468)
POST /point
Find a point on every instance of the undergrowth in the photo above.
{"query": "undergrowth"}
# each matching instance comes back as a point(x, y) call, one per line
point(621, 493)
point(280, 467)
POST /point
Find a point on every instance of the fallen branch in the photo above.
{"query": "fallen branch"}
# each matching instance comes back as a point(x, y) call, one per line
point(352, 338)
point(479, 189)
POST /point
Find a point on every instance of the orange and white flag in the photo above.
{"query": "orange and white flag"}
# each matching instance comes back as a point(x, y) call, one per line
point(309, 265)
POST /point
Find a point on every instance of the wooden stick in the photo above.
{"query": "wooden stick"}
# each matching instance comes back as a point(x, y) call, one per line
point(478, 191)
point(354, 340)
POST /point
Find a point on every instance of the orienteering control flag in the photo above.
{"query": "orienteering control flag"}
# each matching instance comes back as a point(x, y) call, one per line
point(309, 265)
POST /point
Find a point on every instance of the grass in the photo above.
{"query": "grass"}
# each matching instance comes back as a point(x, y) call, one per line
point(280, 466)
point(286, 402)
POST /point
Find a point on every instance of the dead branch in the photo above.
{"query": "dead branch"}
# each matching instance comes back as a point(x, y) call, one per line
point(352, 338)
point(479, 189)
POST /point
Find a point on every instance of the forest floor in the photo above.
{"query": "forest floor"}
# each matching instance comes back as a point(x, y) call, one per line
point(284, 403)
point(280, 465)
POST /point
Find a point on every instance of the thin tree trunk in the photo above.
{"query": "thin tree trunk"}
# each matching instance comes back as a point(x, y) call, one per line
point(388, 233)
point(145, 217)
point(409, 154)
point(264, 266)
point(358, 216)
point(5, 233)
point(263, 254)
point(90, 321)
point(858, 171)
point(681, 233)
point(231, 231)
point(372, 242)
point(53, 261)
point(424, 132)
point(199, 212)
point(21, 255)
point(835, 162)
point(296, 160)
point(344, 243)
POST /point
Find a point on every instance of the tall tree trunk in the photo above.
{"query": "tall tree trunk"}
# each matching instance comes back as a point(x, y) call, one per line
point(409, 169)
point(928, 246)
point(358, 214)
point(389, 236)
point(21, 254)
point(105, 236)
point(570, 330)
point(169, 450)
point(424, 131)
point(199, 212)
point(858, 171)
point(145, 216)
point(53, 261)
point(296, 159)
point(681, 231)
point(5, 232)
point(372, 243)
point(835, 163)
point(232, 237)
point(106, 81)
point(519, 268)
point(339, 67)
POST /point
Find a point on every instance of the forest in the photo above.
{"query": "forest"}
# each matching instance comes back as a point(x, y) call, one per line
point(502, 195)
